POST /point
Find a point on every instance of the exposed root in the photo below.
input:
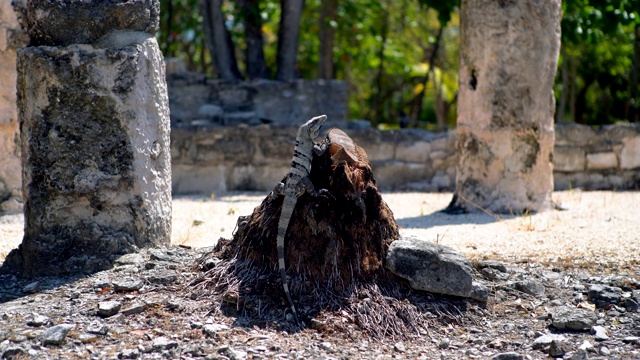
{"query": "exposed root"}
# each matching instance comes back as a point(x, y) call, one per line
point(382, 309)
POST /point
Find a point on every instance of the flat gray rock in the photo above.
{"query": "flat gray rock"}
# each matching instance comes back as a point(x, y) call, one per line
point(56, 334)
point(431, 267)
point(570, 318)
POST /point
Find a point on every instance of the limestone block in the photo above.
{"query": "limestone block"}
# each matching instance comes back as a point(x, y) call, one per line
point(602, 161)
point(66, 22)
point(96, 156)
point(573, 134)
point(630, 154)
point(417, 152)
point(569, 159)
point(260, 178)
point(397, 173)
point(199, 179)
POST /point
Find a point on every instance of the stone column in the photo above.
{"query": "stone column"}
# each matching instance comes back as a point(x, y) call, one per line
point(11, 38)
point(94, 122)
point(508, 59)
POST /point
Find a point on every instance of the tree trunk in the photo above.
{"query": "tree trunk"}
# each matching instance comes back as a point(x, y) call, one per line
point(288, 38)
point(256, 66)
point(328, 11)
point(509, 54)
point(564, 69)
point(416, 105)
point(377, 103)
point(635, 105)
point(219, 40)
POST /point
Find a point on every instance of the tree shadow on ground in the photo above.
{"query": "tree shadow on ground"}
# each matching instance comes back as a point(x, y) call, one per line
point(440, 218)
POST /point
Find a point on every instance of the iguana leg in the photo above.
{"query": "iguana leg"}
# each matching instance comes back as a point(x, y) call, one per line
point(277, 191)
point(320, 149)
point(306, 186)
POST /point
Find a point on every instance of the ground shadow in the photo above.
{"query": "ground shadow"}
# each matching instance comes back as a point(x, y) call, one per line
point(440, 218)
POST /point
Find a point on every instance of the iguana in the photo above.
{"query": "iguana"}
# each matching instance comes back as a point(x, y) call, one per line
point(297, 183)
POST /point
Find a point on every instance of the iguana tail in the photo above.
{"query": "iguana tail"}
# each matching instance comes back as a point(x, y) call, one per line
point(283, 223)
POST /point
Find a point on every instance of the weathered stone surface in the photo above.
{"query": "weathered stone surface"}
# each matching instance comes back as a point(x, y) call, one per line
point(630, 155)
point(66, 22)
point(194, 98)
point(602, 161)
point(602, 295)
point(431, 267)
point(56, 334)
point(10, 176)
point(96, 156)
point(569, 159)
point(577, 319)
point(505, 104)
point(571, 134)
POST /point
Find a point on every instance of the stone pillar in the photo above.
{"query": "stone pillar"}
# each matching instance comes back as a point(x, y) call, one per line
point(508, 59)
point(94, 122)
point(11, 38)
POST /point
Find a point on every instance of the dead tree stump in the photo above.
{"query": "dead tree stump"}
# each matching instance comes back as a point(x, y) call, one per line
point(337, 239)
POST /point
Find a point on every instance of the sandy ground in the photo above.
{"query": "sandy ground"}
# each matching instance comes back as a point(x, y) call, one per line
point(600, 226)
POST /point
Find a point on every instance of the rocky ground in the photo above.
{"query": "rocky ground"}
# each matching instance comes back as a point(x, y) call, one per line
point(543, 302)
point(144, 308)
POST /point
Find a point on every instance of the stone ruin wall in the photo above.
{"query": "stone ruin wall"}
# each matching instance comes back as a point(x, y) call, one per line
point(228, 136)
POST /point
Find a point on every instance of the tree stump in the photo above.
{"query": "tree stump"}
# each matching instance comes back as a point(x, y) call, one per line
point(333, 239)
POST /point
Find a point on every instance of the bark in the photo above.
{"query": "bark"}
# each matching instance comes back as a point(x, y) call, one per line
point(256, 65)
point(509, 53)
point(564, 69)
point(328, 12)
point(635, 105)
point(288, 38)
point(416, 106)
point(377, 105)
point(219, 40)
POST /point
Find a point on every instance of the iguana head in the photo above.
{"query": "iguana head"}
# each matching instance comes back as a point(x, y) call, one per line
point(313, 126)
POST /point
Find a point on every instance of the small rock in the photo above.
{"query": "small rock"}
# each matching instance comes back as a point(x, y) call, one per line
point(558, 348)
point(531, 287)
point(55, 335)
point(479, 292)
point(130, 259)
point(157, 254)
point(565, 317)
point(325, 346)
point(87, 338)
point(196, 325)
point(232, 353)
point(542, 342)
point(631, 340)
point(134, 308)
point(444, 344)
point(11, 352)
point(38, 320)
point(602, 295)
point(492, 264)
point(4, 334)
point(399, 347)
point(163, 343)
point(162, 277)
point(508, 356)
point(213, 329)
point(108, 308)
point(31, 288)
point(494, 275)
point(631, 305)
point(605, 351)
point(586, 345)
point(97, 328)
point(581, 354)
point(128, 284)
point(600, 333)
point(129, 354)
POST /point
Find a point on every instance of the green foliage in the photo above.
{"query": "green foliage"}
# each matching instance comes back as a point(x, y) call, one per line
point(382, 49)
point(598, 46)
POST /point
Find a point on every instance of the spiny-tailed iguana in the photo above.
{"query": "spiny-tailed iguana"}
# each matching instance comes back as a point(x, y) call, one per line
point(296, 184)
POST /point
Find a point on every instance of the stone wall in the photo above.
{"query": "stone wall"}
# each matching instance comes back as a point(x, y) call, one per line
point(196, 99)
point(11, 38)
point(210, 159)
point(604, 158)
